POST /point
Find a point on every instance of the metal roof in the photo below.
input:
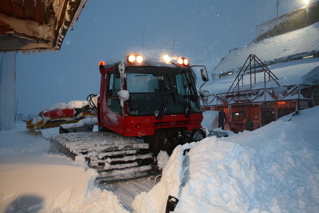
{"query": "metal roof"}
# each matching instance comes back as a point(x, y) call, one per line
point(280, 48)
point(36, 25)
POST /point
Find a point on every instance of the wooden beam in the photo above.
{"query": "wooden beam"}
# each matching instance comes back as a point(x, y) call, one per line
point(17, 7)
point(40, 9)
point(5, 7)
point(29, 9)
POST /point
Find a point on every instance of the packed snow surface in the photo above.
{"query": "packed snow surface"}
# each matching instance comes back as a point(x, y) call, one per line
point(272, 169)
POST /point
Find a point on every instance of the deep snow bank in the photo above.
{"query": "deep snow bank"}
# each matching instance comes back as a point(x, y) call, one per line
point(33, 180)
point(272, 169)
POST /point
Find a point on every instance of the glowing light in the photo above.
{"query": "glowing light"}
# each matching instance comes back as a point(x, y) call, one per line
point(166, 57)
point(185, 61)
point(180, 61)
point(174, 60)
point(131, 58)
point(139, 59)
point(306, 2)
point(101, 63)
point(281, 102)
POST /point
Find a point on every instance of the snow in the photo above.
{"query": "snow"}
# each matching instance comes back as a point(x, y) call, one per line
point(312, 78)
point(70, 105)
point(87, 121)
point(272, 169)
point(34, 180)
point(301, 42)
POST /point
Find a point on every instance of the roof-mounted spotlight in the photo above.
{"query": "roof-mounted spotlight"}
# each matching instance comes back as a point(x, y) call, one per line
point(183, 61)
point(134, 58)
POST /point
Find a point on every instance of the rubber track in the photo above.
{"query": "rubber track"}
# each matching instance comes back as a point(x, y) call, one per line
point(115, 157)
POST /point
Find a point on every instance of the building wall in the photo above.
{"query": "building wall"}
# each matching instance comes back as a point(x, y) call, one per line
point(260, 113)
point(300, 18)
point(7, 90)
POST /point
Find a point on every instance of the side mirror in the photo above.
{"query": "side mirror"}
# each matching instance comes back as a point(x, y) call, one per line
point(204, 74)
point(202, 70)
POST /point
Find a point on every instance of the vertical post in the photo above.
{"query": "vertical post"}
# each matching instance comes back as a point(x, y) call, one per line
point(277, 6)
point(298, 101)
point(265, 85)
point(7, 90)
point(250, 74)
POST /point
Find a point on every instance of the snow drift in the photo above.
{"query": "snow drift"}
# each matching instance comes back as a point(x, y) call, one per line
point(34, 180)
point(272, 169)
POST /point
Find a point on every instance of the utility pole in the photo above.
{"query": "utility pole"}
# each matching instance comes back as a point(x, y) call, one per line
point(277, 6)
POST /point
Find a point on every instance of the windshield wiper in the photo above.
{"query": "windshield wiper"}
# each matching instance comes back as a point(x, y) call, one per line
point(163, 104)
point(189, 95)
point(170, 91)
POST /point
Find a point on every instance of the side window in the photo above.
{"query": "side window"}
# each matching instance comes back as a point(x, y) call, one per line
point(180, 84)
point(114, 85)
point(111, 84)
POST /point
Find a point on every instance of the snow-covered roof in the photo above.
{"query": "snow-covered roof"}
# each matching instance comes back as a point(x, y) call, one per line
point(280, 48)
point(36, 25)
point(288, 73)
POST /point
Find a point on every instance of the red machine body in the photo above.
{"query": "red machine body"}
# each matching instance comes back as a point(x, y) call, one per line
point(138, 98)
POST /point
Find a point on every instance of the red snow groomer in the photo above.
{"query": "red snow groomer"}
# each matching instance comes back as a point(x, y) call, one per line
point(155, 100)
point(144, 106)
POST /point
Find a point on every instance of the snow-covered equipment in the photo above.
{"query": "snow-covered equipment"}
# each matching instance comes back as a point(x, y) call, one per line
point(62, 113)
point(150, 105)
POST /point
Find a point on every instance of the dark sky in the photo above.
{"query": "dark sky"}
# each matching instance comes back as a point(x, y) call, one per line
point(202, 30)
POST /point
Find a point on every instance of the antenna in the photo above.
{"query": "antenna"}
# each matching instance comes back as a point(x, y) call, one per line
point(143, 36)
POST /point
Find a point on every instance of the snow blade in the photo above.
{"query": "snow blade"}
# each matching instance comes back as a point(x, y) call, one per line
point(171, 204)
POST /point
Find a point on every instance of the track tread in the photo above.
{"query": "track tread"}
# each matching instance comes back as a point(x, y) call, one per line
point(113, 156)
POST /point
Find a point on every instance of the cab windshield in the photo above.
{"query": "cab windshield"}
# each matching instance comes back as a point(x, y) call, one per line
point(156, 89)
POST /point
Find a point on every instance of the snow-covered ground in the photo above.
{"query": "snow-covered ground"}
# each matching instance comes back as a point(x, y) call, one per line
point(272, 169)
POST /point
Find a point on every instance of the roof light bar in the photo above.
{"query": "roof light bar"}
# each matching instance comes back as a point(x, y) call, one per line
point(133, 58)
point(183, 61)
point(180, 61)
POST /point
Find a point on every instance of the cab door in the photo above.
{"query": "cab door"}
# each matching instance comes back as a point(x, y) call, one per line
point(111, 112)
